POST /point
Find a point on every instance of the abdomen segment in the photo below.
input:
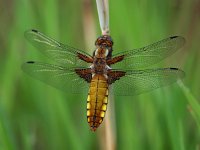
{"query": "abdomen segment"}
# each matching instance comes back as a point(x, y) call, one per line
point(97, 101)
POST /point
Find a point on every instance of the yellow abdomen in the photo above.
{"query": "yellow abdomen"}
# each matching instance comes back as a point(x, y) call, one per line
point(97, 101)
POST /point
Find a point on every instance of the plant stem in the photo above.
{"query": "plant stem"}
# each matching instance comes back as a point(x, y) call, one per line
point(103, 12)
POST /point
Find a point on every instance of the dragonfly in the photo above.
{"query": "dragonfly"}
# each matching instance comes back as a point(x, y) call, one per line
point(76, 71)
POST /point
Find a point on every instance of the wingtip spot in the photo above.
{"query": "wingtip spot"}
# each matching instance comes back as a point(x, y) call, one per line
point(174, 68)
point(34, 30)
point(181, 72)
point(30, 62)
point(173, 37)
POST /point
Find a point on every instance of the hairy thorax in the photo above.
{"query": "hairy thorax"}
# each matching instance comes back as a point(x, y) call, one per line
point(100, 66)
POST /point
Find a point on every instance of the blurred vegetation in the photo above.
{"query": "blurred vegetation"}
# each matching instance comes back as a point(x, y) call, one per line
point(36, 116)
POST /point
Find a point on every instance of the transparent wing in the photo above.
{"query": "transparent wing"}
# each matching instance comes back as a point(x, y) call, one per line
point(149, 55)
point(63, 54)
point(57, 76)
point(139, 81)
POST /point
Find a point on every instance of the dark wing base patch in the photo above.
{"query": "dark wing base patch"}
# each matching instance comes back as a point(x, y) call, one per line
point(115, 60)
point(115, 75)
point(86, 74)
point(85, 58)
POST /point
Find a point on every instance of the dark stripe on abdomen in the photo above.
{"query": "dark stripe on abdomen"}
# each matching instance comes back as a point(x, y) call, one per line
point(97, 101)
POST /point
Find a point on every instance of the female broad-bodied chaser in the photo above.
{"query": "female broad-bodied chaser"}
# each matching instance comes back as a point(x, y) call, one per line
point(77, 71)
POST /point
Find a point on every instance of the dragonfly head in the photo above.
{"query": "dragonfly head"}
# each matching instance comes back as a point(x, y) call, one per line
point(105, 42)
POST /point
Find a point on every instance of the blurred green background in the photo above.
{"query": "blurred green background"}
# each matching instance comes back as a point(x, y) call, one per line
point(34, 115)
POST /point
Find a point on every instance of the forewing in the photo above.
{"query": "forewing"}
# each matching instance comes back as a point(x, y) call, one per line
point(149, 55)
point(59, 77)
point(139, 81)
point(63, 54)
